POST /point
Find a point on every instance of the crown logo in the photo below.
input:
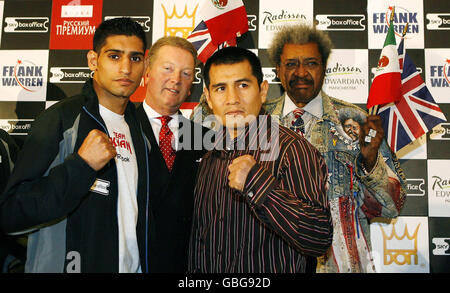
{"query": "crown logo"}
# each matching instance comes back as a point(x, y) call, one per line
point(179, 25)
point(404, 251)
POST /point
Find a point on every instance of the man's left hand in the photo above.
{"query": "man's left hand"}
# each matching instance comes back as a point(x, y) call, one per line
point(239, 169)
point(369, 149)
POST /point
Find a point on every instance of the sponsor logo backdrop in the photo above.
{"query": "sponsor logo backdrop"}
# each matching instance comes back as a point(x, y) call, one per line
point(43, 48)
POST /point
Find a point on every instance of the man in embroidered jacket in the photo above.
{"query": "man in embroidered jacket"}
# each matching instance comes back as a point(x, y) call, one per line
point(366, 180)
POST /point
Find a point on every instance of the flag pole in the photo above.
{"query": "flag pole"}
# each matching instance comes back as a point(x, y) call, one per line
point(374, 109)
point(405, 29)
point(403, 37)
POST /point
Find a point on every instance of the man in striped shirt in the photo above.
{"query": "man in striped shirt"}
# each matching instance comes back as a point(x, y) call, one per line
point(260, 199)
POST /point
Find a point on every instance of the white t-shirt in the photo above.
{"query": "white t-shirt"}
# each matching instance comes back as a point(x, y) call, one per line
point(127, 176)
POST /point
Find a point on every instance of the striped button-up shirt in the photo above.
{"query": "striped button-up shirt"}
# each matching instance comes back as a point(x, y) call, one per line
point(281, 215)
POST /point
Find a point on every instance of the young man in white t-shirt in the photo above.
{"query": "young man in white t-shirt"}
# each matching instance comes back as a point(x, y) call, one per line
point(81, 182)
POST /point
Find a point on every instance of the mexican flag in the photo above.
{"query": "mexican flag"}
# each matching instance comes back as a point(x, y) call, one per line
point(386, 86)
point(225, 19)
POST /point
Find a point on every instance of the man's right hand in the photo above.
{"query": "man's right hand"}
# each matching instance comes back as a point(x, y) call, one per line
point(96, 149)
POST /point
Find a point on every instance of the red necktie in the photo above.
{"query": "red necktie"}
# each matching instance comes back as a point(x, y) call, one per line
point(298, 124)
point(165, 142)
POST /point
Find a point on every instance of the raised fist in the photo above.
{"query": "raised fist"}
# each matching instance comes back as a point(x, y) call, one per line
point(97, 149)
point(239, 169)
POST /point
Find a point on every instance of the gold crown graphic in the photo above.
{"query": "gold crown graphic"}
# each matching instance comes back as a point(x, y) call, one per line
point(396, 255)
point(179, 25)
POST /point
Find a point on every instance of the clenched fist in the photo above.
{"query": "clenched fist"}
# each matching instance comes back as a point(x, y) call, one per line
point(369, 151)
point(239, 169)
point(96, 149)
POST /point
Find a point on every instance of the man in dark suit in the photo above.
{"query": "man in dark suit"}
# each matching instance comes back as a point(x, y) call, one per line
point(176, 150)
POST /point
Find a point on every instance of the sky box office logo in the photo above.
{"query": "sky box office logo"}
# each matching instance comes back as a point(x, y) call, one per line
point(252, 22)
point(441, 246)
point(16, 126)
point(70, 74)
point(415, 186)
point(438, 21)
point(144, 21)
point(270, 74)
point(440, 132)
point(340, 22)
point(26, 24)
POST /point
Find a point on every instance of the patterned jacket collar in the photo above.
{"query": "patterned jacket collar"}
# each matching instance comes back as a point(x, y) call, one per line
point(329, 110)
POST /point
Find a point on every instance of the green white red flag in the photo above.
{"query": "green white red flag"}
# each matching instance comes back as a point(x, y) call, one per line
point(386, 86)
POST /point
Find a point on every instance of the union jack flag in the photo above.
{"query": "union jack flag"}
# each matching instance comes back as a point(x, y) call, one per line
point(416, 113)
point(202, 42)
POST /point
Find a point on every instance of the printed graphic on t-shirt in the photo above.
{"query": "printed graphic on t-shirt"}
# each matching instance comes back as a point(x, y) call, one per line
point(122, 145)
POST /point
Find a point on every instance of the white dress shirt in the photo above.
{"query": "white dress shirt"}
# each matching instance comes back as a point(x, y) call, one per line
point(313, 112)
point(156, 123)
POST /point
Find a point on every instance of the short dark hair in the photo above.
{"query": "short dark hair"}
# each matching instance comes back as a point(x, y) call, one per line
point(117, 26)
point(233, 55)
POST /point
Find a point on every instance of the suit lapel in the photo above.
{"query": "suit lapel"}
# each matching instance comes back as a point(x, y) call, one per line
point(159, 173)
point(146, 127)
point(158, 164)
point(182, 159)
point(148, 131)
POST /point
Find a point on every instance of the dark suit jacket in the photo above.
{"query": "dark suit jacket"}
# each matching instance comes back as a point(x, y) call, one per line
point(171, 200)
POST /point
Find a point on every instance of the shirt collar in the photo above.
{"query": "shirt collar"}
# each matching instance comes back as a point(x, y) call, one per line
point(152, 114)
point(314, 107)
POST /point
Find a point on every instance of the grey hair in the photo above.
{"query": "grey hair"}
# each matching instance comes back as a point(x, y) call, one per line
point(173, 41)
point(298, 35)
point(349, 113)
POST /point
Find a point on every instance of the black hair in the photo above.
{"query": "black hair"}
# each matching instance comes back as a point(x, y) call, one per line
point(233, 55)
point(117, 26)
